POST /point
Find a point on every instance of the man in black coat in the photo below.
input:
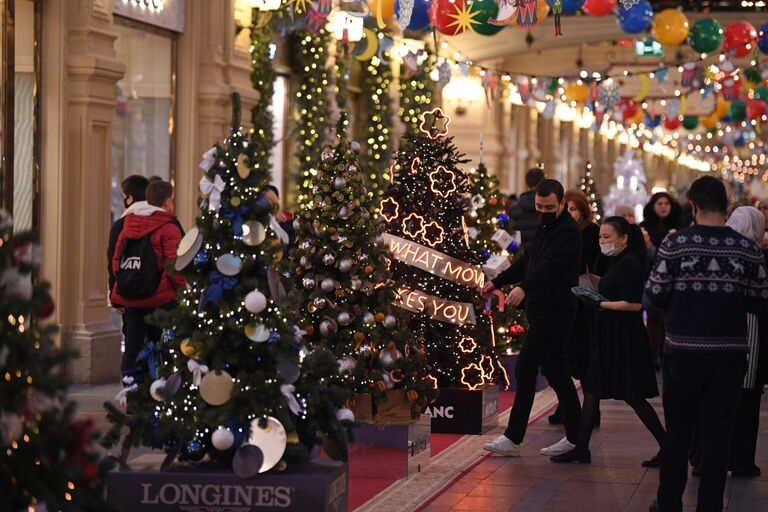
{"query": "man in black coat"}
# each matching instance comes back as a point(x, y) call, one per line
point(522, 215)
point(544, 275)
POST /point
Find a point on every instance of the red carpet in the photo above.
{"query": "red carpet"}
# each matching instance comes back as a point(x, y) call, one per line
point(372, 460)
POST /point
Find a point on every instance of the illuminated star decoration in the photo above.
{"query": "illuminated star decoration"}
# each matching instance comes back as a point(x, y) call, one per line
point(464, 17)
point(472, 376)
point(434, 123)
point(467, 344)
point(433, 233)
point(299, 6)
point(413, 225)
point(390, 209)
point(442, 181)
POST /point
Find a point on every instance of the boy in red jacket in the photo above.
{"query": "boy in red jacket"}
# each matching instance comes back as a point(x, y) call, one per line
point(147, 242)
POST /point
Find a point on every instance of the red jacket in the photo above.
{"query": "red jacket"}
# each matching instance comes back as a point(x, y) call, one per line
point(165, 239)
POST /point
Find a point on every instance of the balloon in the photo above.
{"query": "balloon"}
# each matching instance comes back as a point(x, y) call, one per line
point(599, 7)
point(577, 92)
point(637, 118)
point(419, 16)
point(672, 123)
point(710, 121)
point(762, 38)
point(690, 122)
point(542, 9)
point(740, 141)
point(705, 36)
point(569, 6)
point(636, 19)
point(761, 93)
point(738, 36)
point(652, 121)
point(755, 109)
point(630, 111)
point(387, 8)
point(486, 9)
point(442, 14)
point(722, 107)
point(738, 110)
point(670, 27)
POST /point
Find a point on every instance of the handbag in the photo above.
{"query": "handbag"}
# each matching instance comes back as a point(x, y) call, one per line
point(589, 281)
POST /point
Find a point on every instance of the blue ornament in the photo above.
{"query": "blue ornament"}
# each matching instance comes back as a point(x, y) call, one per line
point(636, 19)
point(652, 122)
point(569, 6)
point(273, 337)
point(201, 261)
point(512, 248)
point(740, 141)
point(194, 451)
point(762, 38)
point(486, 254)
point(168, 335)
point(503, 220)
point(419, 16)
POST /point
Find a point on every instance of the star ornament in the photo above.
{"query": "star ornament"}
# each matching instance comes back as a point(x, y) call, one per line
point(413, 225)
point(442, 181)
point(434, 123)
point(433, 233)
point(464, 18)
point(472, 376)
point(390, 209)
point(467, 344)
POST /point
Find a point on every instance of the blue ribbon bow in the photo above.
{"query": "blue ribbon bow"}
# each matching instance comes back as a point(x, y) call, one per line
point(235, 215)
point(217, 283)
point(150, 354)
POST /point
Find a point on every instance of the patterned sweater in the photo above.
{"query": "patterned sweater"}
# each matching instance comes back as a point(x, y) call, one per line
point(707, 278)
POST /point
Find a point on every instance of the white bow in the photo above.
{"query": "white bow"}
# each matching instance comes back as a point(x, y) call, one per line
point(213, 190)
point(287, 391)
point(122, 396)
point(198, 370)
point(279, 231)
point(209, 158)
point(299, 332)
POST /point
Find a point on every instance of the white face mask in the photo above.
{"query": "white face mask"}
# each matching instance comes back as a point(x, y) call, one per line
point(609, 249)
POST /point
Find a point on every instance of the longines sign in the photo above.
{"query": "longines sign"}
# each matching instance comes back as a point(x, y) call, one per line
point(317, 487)
point(167, 14)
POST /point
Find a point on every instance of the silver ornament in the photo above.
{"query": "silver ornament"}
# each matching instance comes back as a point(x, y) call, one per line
point(303, 261)
point(329, 258)
point(345, 265)
point(327, 285)
point(356, 284)
point(319, 302)
point(352, 169)
point(327, 327)
point(388, 358)
point(368, 318)
point(339, 183)
point(308, 282)
point(344, 318)
point(326, 155)
point(344, 213)
point(354, 146)
point(390, 321)
point(306, 244)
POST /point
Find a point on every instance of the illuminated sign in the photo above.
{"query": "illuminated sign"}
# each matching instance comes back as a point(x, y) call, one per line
point(438, 309)
point(167, 14)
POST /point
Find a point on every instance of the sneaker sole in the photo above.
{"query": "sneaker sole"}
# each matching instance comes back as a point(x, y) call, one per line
point(501, 452)
point(555, 453)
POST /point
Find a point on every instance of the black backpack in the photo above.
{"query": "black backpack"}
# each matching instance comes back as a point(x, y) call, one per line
point(138, 275)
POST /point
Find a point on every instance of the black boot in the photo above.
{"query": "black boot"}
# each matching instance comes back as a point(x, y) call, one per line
point(557, 417)
point(575, 456)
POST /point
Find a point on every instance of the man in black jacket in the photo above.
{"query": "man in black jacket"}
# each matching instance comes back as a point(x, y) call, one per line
point(522, 214)
point(544, 274)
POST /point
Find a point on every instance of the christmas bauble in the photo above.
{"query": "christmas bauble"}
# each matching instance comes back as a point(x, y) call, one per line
point(255, 302)
point(328, 327)
point(443, 15)
point(222, 439)
point(346, 364)
point(270, 439)
point(308, 282)
point(705, 36)
point(15, 284)
point(356, 284)
point(329, 258)
point(339, 183)
point(344, 318)
point(216, 388)
point(327, 285)
point(345, 414)
point(319, 302)
point(670, 27)
point(326, 155)
point(741, 37)
point(368, 318)
point(388, 358)
point(188, 348)
point(390, 322)
point(345, 265)
point(194, 451)
point(344, 213)
point(156, 390)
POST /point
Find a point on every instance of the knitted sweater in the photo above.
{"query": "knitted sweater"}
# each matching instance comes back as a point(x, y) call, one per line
point(707, 278)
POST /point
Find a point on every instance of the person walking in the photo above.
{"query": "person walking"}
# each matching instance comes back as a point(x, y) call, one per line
point(522, 214)
point(705, 278)
point(637, 237)
point(620, 366)
point(544, 276)
point(581, 333)
point(147, 242)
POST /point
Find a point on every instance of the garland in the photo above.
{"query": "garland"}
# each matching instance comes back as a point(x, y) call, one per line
point(263, 80)
point(377, 129)
point(415, 96)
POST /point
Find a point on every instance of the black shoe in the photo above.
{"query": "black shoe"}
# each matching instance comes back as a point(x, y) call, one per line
point(597, 419)
point(746, 472)
point(653, 462)
point(556, 418)
point(654, 507)
point(575, 456)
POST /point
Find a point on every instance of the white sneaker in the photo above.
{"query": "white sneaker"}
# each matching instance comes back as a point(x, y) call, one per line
point(503, 446)
point(560, 447)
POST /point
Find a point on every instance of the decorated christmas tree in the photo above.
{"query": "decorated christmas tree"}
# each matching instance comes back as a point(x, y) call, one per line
point(426, 230)
point(486, 208)
point(232, 380)
point(46, 456)
point(587, 185)
point(344, 291)
point(629, 188)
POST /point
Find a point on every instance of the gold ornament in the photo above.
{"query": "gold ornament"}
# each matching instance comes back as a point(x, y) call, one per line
point(243, 170)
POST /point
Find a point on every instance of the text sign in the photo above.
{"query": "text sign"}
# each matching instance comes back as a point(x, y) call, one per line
point(438, 309)
point(464, 411)
point(167, 14)
point(434, 262)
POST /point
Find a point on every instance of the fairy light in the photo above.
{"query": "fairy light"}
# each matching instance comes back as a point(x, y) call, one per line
point(377, 126)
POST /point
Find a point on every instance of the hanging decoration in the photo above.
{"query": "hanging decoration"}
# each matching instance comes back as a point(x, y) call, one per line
point(599, 7)
point(557, 10)
point(705, 36)
point(485, 11)
point(506, 13)
point(527, 13)
point(635, 18)
point(670, 27)
point(740, 37)
point(377, 126)
point(568, 6)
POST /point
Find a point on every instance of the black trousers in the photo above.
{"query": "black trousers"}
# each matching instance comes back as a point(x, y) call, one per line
point(137, 332)
point(699, 390)
point(544, 347)
point(744, 438)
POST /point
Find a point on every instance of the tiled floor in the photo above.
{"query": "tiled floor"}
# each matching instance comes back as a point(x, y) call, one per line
point(614, 481)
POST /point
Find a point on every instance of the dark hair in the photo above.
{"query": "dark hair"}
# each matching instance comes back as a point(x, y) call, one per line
point(579, 199)
point(158, 192)
point(273, 189)
point(135, 186)
point(155, 178)
point(620, 224)
point(547, 187)
point(533, 177)
point(512, 197)
point(708, 194)
point(652, 218)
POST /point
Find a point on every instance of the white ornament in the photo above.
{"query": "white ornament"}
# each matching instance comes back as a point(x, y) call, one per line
point(345, 414)
point(222, 439)
point(14, 283)
point(255, 302)
point(156, 390)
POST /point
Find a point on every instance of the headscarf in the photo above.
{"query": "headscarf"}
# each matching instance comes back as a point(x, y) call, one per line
point(749, 222)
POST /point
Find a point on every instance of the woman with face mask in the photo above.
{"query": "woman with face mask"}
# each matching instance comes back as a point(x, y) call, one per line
point(620, 365)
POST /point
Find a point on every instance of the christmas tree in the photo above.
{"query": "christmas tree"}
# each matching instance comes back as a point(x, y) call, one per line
point(428, 237)
point(587, 185)
point(46, 460)
point(629, 188)
point(486, 208)
point(344, 291)
point(231, 379)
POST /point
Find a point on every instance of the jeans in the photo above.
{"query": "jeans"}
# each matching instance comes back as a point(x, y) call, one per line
point(137, 332)
point(545, 347)
point(699, 390)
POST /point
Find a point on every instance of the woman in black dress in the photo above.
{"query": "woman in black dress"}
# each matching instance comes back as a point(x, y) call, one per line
point(620, 363)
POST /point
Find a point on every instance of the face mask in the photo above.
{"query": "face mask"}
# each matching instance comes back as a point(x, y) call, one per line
point(547, 218)
point(609, 249)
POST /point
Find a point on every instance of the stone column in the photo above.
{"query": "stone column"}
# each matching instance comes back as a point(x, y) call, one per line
point(79, 100)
